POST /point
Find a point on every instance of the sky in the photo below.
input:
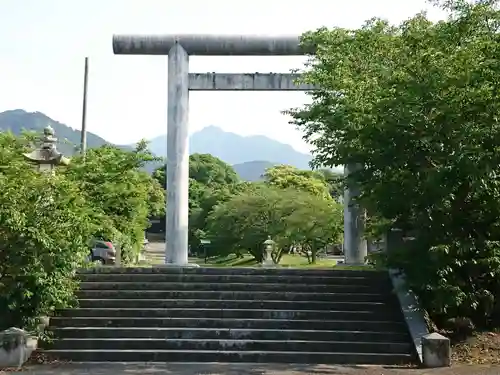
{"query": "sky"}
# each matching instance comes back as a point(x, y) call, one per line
point(43, 44)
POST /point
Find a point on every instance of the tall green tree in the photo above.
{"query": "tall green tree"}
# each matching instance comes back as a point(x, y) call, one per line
point(45, 225)
point(416, 104)
point(205, 169)
point(314, 224)
point(210, 170)
point(335, 182)
point(121, 194)
point(211, 181)
point(245, 221)
point(289, 216)
point(288, 177)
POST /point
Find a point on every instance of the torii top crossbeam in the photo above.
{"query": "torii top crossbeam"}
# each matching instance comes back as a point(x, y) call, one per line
point(209, 45)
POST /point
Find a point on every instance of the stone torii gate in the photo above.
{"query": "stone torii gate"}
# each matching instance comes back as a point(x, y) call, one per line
point(180, 81)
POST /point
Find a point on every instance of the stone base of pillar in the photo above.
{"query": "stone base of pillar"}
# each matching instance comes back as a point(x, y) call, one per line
point(344, 263)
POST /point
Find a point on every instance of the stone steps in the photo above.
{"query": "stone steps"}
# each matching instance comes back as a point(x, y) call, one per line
point(227, 334)
point(231, 287)
point(382, 326)
point(232, 304)
point(130, 272)
point(232, 345)
point(203, 313)
point(225, 278)
point(231, 295)
point(169, 314)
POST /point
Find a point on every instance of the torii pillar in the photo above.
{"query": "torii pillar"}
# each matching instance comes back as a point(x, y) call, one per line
point(180, 81)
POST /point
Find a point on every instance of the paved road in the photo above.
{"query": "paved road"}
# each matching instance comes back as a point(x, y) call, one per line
point(155, 251)
point(156, 247)
point(245, 369)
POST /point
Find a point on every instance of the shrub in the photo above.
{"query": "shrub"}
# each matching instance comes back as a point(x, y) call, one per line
point(44, 230)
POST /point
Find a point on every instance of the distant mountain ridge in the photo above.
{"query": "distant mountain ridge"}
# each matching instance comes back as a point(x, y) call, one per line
point(236, 149)
point(253, 170)
point(250, 156)
point(68, 138)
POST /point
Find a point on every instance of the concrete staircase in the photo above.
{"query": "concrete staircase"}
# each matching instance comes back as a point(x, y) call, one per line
point(233, 315)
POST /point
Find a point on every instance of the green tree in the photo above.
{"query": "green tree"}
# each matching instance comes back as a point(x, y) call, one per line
point(208, 170)
point(211, 181)
point(335, 182)
point(290, 217)
point(314, 224)
point(246, 220)
point(45, 225)
point(205, 169)
point(416, 105)
point(286, 177)
point(203, 198)
point(121, 194)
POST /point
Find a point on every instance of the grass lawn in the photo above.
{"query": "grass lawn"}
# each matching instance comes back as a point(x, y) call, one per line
point(248, 261)
point(287, 261)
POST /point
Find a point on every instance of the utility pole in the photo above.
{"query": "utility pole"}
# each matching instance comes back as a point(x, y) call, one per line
point(83, 140)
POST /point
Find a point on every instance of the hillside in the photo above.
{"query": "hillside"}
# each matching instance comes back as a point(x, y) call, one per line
point(250, 156)
point(237, 149)
point(16, 120)
point(252, 170)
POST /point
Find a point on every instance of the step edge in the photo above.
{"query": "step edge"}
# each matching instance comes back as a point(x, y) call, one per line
point(215, 351)
point(231, 300)
point(237, 319)
point(106, 309)
point(228, 329)
point(87, 339)
point(303, 283)
point(228, 291)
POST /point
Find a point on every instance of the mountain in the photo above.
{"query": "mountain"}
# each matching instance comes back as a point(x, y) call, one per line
point(16, 120)
point(252, 170)
point(250, 156)
point(236, 149)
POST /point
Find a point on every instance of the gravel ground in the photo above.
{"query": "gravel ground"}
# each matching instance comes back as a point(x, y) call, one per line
point(246, 369)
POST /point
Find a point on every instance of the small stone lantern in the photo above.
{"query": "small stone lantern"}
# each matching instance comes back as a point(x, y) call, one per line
point(46, 157)
point(267, 260)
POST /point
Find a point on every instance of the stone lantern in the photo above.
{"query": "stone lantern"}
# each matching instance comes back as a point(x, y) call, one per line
point(46, 157)
point(267, 259)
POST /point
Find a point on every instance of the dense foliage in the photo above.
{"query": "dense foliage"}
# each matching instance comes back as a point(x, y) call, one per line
point(44, 228)
point(121, 193)
point(46, 222)
point(417, 105)
point(285, 176)
point(211, 181)
point(295, 207)
point(290, 217)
